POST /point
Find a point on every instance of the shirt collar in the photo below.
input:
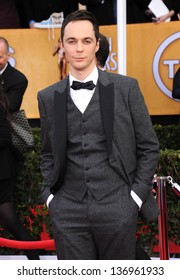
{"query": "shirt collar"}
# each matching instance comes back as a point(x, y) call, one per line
point(4, 68)
point(93, 76)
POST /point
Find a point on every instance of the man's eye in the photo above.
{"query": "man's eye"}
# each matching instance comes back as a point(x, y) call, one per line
point(87, 41)
point(71, 42)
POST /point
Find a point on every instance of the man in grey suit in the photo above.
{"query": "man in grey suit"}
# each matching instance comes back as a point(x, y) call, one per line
point(99, 152)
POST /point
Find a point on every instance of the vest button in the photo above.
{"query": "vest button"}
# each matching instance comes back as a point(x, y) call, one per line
point(85, 144)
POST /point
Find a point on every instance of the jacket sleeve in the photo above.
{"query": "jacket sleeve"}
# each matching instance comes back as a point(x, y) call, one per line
point(47, 163)
point(15, 87)
point(147, 144)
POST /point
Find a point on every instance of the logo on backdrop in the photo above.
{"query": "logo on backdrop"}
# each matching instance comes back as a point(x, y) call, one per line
point(111, 63)
point(170, 63)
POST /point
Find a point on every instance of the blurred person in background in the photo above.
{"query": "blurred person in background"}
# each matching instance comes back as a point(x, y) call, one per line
point(40, 10)
point(13, 85)
point(14, 81)
point(9, 218)
point(62, 63)
point(173, 7)
point(106, 11)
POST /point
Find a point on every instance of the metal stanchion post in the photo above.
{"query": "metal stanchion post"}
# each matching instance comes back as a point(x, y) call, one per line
point(163, 218)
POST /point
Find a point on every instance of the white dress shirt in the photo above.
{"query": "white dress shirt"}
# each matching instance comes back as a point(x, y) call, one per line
point(3, 69)
point(82, 97)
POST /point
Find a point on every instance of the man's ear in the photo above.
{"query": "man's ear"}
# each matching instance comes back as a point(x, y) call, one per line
point(9, 55)
point(97, 45)
point(62, 46)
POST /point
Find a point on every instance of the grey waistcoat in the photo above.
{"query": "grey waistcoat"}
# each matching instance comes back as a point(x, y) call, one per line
point(87, 165)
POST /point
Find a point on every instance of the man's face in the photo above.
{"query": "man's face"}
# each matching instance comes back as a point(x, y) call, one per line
point(4, 55)
point(80, 46)
point(57, 18)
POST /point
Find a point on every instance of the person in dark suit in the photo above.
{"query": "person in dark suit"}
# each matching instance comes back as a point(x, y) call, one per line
point(176, 85)
point(99, 152)
point(14, 82)
point(9, 218)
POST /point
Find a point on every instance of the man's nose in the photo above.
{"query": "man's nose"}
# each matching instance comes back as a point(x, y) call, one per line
point(79, 46)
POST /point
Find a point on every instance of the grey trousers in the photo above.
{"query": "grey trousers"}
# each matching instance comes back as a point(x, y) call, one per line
point(94, 229)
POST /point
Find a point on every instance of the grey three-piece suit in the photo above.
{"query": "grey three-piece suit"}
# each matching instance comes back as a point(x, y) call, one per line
point(92, 161)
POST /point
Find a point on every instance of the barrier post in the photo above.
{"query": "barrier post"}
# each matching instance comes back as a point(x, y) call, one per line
point(163, 219)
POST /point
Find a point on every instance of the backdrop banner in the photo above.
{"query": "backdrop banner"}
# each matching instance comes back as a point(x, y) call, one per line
point(152, 58)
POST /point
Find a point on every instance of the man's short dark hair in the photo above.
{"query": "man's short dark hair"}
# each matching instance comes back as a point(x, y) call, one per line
point(103, 52)
point(81, 15)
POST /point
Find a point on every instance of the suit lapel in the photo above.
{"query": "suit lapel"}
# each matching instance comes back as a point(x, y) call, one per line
point(59, 111)
point(6, 76)
point(106, 94)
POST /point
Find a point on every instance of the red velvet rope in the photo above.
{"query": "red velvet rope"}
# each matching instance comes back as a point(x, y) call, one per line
point(44, 244)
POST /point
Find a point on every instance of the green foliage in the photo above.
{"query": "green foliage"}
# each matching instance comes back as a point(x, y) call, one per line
point(35, 216)
point(169, 164)
point(28, 181)
point(169, 136)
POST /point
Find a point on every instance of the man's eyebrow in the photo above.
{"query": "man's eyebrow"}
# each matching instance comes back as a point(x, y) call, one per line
point(74, 38)
point(70, 38)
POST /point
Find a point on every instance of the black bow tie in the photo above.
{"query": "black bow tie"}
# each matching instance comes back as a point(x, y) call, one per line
point(78, 85)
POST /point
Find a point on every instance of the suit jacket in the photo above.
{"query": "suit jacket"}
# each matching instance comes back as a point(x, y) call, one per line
point(14, 84)
point(176, 85)
point(132, 144)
